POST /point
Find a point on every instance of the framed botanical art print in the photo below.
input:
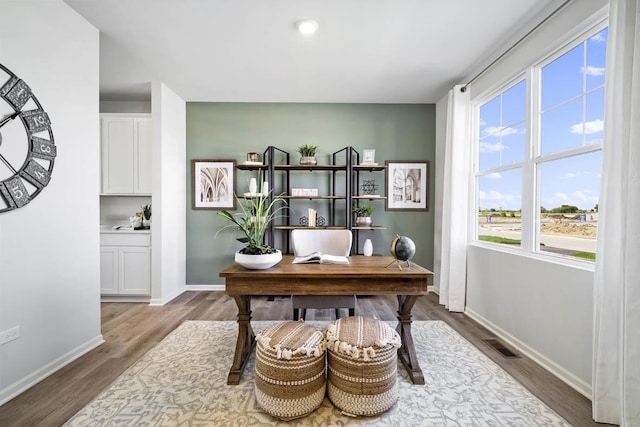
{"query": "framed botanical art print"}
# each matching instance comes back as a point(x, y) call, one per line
point(407, 185)
point(213, 184)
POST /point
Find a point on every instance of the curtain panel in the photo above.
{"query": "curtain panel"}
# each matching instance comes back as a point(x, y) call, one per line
point(616, 355)
point(452, 212)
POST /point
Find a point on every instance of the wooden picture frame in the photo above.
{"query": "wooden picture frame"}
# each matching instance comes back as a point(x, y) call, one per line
point(213, 184)
point(407, 185)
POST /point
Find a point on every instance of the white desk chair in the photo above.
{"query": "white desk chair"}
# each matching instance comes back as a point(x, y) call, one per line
point(332, 242)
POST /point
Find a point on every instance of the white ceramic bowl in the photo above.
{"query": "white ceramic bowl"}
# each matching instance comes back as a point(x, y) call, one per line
point(258, 262)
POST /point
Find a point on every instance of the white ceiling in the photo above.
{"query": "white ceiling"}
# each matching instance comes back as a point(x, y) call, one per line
point(365, 51)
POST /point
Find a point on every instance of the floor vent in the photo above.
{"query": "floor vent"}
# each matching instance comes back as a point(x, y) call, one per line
point(501, 347)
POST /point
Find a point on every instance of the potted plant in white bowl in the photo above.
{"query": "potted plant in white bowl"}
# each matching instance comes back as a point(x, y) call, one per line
point(307, 154)
point(252, 221)
point(363, 215)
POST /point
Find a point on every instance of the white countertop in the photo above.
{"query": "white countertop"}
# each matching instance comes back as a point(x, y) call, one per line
point(108, 229)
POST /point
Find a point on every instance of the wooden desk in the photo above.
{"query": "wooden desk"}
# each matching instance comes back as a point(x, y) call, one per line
point(363, 276)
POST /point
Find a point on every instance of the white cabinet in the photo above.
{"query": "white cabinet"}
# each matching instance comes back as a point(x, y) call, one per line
point(126, 149)
point(125, 264)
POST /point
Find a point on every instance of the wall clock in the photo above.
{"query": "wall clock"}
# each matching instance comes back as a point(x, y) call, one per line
point(27, 148)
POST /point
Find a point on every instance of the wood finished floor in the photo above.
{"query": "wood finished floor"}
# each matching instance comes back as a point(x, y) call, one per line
point(131, 329)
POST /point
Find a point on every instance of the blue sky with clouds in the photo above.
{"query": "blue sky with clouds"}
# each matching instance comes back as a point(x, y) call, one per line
point(571, 116)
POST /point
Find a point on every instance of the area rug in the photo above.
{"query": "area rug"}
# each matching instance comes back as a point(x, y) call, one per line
point(183, 382)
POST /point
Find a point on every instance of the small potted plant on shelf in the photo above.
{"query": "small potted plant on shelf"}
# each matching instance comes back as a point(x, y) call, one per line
point(363, 215)
point(307, 154)
point(256, 213)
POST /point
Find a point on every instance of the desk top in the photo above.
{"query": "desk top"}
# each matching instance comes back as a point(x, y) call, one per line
point(363, 275)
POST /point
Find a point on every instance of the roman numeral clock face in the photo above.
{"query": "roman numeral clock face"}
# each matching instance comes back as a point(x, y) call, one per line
point(27, 149)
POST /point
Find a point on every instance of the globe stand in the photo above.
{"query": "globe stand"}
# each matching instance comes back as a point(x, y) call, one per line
point(402, 249)
point(398, 263)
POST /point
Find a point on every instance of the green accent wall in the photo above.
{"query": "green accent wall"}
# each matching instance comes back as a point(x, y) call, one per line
point(231, 130)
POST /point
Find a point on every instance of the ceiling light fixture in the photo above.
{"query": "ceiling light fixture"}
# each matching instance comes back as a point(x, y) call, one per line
point(307, 26)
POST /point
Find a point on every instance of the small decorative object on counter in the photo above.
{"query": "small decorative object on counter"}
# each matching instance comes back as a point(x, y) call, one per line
point(136, 221)
point(146, 216)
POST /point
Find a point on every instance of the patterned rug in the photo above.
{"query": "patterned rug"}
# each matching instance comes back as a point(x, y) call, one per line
point(183, 382)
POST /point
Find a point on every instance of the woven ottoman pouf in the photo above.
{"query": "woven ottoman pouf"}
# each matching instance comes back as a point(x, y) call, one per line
point(362, 360)
point(290, 369)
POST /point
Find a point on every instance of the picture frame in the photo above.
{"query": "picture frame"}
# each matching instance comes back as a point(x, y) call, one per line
point(407, 185)
point(368, 156)
point(213, 184)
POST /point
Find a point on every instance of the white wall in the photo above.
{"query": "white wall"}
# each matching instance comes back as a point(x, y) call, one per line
point(131, 107)
point(542, 307)
point(168, 275)
point(49, 249)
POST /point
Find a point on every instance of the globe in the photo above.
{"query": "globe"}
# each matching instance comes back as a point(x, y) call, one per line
point(403, 248)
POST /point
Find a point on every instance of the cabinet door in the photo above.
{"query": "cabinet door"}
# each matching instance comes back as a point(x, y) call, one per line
point(117, 155)
point(142, 157)
point(135, 271)
point(108, 270)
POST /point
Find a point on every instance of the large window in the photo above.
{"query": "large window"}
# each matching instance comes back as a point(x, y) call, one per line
point(539, 152)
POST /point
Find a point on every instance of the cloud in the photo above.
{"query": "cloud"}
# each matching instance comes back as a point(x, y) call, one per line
point(593, 126)
point(570, 175)
point(599, 37)
point(561, 196)
point(593, 71)
point(495, 175)
point(497, 200)
point(585, 196)
point(499, 131)
point(487, 147)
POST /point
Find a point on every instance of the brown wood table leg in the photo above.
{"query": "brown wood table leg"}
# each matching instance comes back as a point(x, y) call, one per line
point(246, 339)
point(407, 351)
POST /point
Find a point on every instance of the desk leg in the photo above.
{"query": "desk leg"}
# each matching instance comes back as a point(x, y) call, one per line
point(407, 352)
point(246, 339)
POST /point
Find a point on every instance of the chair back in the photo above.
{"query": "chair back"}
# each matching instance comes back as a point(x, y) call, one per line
point(331, 242)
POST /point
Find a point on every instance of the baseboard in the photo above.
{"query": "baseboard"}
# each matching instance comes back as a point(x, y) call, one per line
point(32, 379)
point(124, 298)
point(206, 287)
point(163, 301)
point(565, 376)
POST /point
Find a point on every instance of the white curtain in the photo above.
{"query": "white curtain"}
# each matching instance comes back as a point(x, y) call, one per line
point(616, 355)
point(452, 208)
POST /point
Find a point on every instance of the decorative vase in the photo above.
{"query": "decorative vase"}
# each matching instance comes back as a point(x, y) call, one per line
point(364, 221)
point(258, 262)
point(367, 248)
point(305, 160)
point(253, 186)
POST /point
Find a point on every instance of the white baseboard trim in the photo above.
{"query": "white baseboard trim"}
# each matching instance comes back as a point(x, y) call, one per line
point(567, 377)
point(32, 379)
point(124, 298)
point(206, 287)
point(165, 300)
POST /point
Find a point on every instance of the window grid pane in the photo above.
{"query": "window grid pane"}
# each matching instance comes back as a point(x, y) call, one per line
point(563, 180)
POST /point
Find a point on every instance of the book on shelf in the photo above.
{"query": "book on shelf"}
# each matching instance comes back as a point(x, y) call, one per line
point(320, 258)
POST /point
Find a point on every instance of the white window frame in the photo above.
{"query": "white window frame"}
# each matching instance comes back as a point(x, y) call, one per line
point(530, 235)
